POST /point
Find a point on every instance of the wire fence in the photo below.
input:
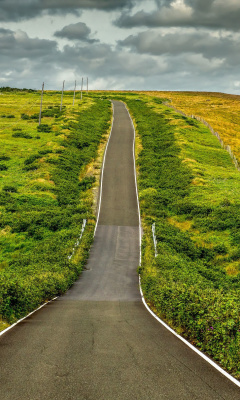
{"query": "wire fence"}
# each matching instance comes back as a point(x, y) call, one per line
point(224, 146)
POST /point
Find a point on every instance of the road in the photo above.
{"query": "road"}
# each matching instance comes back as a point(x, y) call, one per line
point(98, 342)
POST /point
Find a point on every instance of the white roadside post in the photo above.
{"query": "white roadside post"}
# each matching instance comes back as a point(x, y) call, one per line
point(154, 239)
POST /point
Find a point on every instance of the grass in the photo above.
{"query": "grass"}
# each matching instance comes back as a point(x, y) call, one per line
point(221, 111)
point(189, 187)
point(45, 193)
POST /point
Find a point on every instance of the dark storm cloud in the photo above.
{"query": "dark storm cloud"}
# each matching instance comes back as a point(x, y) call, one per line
point(100, 60)
point(79, 31)
point(19, 45)
point(155, 43)
point(27, 62)
point(200, 5)
point(15, 10)
point(212, 14)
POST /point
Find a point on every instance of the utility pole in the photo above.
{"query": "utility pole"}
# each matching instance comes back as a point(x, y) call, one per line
point(81, 88)
point(74, 92)
point(40, 113)
point(87, 85)
point(62, 96)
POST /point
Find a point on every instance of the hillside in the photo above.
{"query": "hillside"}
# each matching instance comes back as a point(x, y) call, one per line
point(188, 188)
point(46, 177)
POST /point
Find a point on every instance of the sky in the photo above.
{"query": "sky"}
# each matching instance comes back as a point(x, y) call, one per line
point(121, 44)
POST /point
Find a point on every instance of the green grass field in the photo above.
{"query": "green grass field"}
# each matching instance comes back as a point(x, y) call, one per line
point(46, 180)
point(188, 186)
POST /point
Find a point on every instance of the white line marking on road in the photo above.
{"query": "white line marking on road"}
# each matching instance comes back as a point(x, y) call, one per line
point(216, 366)
point(213, 364)
point(100, 200)
point(136, 186)
point(103, 165)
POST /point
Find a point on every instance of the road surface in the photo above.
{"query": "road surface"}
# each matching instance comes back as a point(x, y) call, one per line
point(98, 342)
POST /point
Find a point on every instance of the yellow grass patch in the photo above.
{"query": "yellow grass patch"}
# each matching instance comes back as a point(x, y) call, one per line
point(3, 325)
point(189, 160)
point(44, 181)
point(221, 111)
point(198, 182)
point(5, 231)
point(233, 268)
point(41, 180)
point(183, 225)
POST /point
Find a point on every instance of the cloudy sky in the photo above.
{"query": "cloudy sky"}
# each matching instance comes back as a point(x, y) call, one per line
point(121, 44)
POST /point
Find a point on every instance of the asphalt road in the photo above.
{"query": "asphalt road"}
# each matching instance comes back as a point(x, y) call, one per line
point(98, 342)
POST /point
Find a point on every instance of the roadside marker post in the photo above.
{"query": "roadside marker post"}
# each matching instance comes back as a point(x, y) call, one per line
point(154, 239)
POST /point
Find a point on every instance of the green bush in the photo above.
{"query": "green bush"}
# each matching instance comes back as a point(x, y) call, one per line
point(44, 228)
point(10, 189)
point(22, 135)
point(185, 283)
point(4, 158)
point(25, 116)
point(31, 159)
point(44, 128)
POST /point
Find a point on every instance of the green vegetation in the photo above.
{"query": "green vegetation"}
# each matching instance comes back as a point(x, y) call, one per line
point(45, 193)
point(189, 187)
point(220, 110)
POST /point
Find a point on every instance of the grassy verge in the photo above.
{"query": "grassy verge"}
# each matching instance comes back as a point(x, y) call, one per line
point(189, 187)
point(45, 193)
point(221, 111)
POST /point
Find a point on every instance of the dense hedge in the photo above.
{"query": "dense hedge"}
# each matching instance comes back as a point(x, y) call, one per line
point(38, 268)
point(183, 283)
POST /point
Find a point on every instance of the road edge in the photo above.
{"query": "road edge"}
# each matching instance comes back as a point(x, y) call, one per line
point(98, 213)
point(202, 355)
point(102, 171)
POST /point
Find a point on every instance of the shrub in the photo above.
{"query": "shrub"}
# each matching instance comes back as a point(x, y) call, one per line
point(45, 227)
point(186, 283)
point(31, 159)
point(10, 189)
point(22, 135)
point(4, 158)
point(44, 128)
point(25, 116)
